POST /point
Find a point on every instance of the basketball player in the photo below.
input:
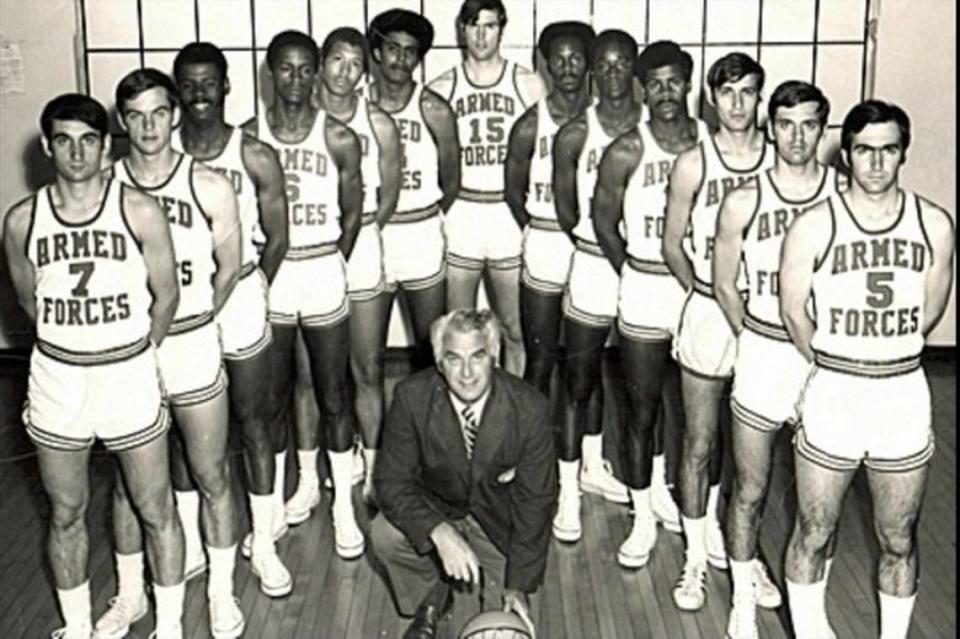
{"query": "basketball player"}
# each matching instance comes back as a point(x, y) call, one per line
point(344, 62)
point(769, 372)
point(413, 240)
point(590, 302)
point(92, 265)
point(488, 94)
point(201, 209)
point(704, 345)
point(879, 261)
point(200, 71)
point(320, 158)
point(529, 194)
point(631, 190)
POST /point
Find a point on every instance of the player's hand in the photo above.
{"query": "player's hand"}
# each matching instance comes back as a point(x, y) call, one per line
point(458, 558)
point(517, 602)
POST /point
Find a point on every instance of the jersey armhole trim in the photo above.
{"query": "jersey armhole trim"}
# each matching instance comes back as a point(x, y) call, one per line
point(703, 172)
point(756, 206)
point(193, 192)
point(923, 227)
point(124, 219)
point(516, 86)
point(833, 234)
point(33, 218)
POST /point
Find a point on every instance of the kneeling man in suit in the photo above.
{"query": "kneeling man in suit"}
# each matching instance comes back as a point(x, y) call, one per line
point(466, 478)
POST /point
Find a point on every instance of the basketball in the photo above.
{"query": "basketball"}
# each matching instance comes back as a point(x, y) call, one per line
point(495, 624)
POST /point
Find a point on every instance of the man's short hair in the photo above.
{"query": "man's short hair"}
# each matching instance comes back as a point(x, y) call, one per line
point(404, 21)
point(793, 92)
point(580, 31)
point(613, 35)
point(74, 106)
point(663, 53)
point(292, 38)
point(200, 53)
point(140, 80)
point(470, 11)
point(350, 36)
point(875, 112)
point(731, 68)
point(466, 320)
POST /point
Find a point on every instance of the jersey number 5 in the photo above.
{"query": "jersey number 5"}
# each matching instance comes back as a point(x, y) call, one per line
point(881, 295)
point(85, 270)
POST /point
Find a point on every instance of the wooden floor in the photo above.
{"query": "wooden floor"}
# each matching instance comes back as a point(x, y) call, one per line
point(586, 593)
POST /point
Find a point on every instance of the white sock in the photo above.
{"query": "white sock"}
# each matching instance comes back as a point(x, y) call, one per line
point(742, 574)
point(341, 471)
point(808, 609)
point(369, 458)
point(261, 514)
point(713, 499)
point(641, 506)
point(658, 473)
point(592, 452)
point(188, 507)
point(895, 613)
point(169, 605)
point(569, 473)
point(308, 467)
point(129, 575)
point(75, 605)
point(696, 532)
point(222, 562)
point(279, 479)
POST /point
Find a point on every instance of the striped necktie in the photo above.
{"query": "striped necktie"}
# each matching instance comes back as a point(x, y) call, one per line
point(470, 426)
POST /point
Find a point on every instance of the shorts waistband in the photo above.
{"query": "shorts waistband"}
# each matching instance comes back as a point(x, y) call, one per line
point(544, 224)
point(477, 195)
point(190, 323)
point(703, 288)
point(867, 368)
point(247, 269)
point(767, 329)
point(368, 218)
point(311, 251)
point(591, 248)
point(648, 266)
point(90, 358)
point(415, 215)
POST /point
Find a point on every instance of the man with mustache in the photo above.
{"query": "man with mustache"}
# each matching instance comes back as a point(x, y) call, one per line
point(631, 190)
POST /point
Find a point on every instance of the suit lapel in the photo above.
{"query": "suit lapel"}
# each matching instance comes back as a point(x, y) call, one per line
point(493, 428)
point(445, 427)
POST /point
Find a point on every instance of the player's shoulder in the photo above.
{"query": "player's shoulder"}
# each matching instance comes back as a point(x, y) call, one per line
point(574, 127)
point(934, 217)
point(135, 199)
point(813, 218)
point(689, 163)
point(20, 215)
point(528, 121)
point(445, 83)
point(431, 101)
point(626, 145)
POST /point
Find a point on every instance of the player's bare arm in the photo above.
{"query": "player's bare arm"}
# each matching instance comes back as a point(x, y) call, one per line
point(263, 167)
point(804, 246)
point(940, 233)
point(736, 213)
point(567, 147)
point(685, 179)
point(617, 166)
point(390, 163)
point(16, 227)
point(345, 150)
point(150, 228)
point(442, 123)
point(443, 84)
point(218, 201)
point(530, 86)
point(516, 168)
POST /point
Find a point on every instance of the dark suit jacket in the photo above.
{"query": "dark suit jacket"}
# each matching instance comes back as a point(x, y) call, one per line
point(423, 477)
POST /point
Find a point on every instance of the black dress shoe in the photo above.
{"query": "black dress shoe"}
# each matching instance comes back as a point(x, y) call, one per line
point(425, 619)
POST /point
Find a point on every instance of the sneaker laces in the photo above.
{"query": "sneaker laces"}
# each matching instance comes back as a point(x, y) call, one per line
point(693, 575)
point(120, 608)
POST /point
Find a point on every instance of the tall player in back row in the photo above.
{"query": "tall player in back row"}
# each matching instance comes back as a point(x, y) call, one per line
point(704, 345)
point(320, 158)
point(202, 212)
point(528, 190)
point(590, 300)
point(769, 372)
point(878, 260)
point(92, 264)
point(488, 94)
point(631, 191)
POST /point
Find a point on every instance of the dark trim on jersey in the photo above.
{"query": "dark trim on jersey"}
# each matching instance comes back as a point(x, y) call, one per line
point(809, 200)
point(29, 235)
point(923, 228)
point(220, 153)
point(74, 225)
point(186, 324)
point(544, 223)
point(193, 194)
point(415, 215)
point(902, 196)
point(590, 248)
point(123, 218)
point(476, 195)
point(166, 180)
point(703, 174)
point(866, 367)
point(93, 358)
point(754, 168)
point(702, 287)
point(323, 249)
point(516, 88)
point(503, 72)
point(405, 104)
point(650, 267)
point(817, 263)
point(753, 216)
point(766, 329)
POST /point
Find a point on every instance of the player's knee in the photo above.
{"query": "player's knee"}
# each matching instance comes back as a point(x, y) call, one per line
point(67, 512)
point(749, 490)
point(814, 532)
point(155, 506)
point(698, 447)
point(213, 478)
point(896, 541)
point(368, 370)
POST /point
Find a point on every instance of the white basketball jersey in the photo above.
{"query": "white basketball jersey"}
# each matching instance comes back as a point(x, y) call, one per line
point(420, 177)
point(718, 180)
point(485, 116)
point(539, 203)
point(91, 280)
point(191, 235)
point(869, 289)
point(312, 181)
point(229, 164)
point(645, 198)
point(370, 153)
point(588, 168)
point(764, 238)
